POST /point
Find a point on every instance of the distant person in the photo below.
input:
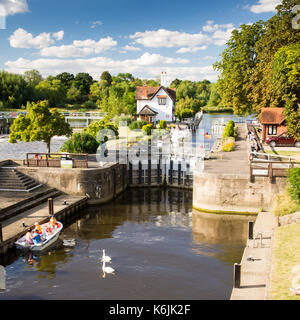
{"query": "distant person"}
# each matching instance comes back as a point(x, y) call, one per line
point(52, 222)
point(28, 238)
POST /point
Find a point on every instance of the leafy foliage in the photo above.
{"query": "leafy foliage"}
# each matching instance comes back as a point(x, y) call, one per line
point(294, 183)
point(40, 124)
point(80, 143)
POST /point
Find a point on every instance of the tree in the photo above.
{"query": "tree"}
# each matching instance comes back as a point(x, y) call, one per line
point(286, 81)
point(186, 89)
point(107, 77)
point(14, 90)
point(83, 81)
point(66, 79)
point(246, 80)
point(33, 77)
point(214, 98)
point(53, 91)
point(40, 124)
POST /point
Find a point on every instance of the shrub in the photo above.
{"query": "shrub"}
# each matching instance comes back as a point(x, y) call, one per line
point(147, 129)
point(229, 129)
point(80, 143)
point(228, 147)
point(162, 124)
point(138, 124)
point(186, 113)
point(284, 204)
point(294, 184)
point(89, 105)
point(94, 128)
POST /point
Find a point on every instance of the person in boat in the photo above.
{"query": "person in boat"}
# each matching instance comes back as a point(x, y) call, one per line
point(28, 238)
point(38, 228)
point(52, 222)
point(36, 237)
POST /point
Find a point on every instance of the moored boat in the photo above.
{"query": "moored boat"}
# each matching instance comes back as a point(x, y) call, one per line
point(47, 239)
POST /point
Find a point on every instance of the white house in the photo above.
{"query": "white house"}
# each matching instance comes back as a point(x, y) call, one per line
point(156, 103)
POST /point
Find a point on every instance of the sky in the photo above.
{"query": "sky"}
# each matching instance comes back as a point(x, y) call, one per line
point(181, 37)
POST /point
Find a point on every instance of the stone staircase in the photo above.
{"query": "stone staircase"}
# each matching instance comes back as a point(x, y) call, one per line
point(13, 180)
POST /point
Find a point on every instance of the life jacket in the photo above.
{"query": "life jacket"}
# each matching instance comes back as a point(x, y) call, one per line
point(39, 229)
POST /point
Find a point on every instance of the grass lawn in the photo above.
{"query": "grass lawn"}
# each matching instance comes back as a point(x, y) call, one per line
point(284, 153)
point(285, 258)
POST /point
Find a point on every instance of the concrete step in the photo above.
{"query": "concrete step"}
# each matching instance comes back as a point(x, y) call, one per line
point(27, 204)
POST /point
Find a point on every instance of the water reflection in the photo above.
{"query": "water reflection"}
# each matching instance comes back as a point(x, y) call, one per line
point(158, 247)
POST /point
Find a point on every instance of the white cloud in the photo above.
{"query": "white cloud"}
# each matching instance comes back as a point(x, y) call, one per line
point(192, 50)
point(146, 64)
point(131, 48)
point(215, 34)
point(265, 6)
point(169, 39)
point(95, 24)
point(12, 7)
point(79, 48)
point(23, 39)
point(59, 35)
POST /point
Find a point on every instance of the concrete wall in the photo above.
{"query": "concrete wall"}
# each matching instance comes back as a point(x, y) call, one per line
point(234, 193)
point(99, 184)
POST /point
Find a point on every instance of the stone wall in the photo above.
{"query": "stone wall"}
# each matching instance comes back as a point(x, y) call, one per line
point(289, 219)
point(227, 193)
point(99, 184)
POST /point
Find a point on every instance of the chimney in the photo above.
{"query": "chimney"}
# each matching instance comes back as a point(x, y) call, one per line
point(145, 93)
point(163, 81)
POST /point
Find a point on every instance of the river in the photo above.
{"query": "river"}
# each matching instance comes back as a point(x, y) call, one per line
point(160, 250)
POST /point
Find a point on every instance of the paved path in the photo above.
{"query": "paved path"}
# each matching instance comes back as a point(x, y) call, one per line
point(235, 162)
point(255, 273)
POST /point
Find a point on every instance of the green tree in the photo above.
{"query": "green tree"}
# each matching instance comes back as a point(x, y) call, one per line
point(53, 91)
point(66, 79)
point(83, 81)
point(40, 124)
point(107, 77)
point(33, 77)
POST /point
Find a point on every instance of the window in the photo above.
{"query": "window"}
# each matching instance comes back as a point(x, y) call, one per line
point(162, 101)
point(272, 131)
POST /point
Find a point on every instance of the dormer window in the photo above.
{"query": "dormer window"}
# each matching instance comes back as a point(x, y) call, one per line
point(162, 100)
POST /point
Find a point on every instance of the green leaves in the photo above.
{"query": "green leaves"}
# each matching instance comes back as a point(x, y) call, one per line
point(40, 124)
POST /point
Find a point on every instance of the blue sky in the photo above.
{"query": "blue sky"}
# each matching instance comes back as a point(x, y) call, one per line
point(183, 38)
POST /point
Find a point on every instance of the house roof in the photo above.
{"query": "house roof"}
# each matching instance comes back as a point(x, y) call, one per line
point(272, 116)
point(147, 111)
point(148, 93)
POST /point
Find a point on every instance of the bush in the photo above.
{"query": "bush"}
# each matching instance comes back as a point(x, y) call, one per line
point(89, 105)
point(229, 147)
point(137, 124)
point(147, 129)
point(96, 126)
point(284, 204)
point(80, 143)
point(294, 184)
point(229, 129)
point(186, 113)
point(162, 124)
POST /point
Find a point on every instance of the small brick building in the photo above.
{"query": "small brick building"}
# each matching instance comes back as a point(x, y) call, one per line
point(273, 122)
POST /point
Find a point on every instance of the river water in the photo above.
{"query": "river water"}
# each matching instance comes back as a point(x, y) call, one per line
point(160, 249)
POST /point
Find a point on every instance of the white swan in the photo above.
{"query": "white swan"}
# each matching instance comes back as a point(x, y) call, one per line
point(107, 270)
point(105, 258)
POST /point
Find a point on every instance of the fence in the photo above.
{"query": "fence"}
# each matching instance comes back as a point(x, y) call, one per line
point(57, 160)
point(271, 169)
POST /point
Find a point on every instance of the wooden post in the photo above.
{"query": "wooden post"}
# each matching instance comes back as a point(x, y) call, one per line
point(250, 230)
point(171, 172)
point(50, 206)
point(179, 173)
point(130, 173)
point(270, 172)
point(1, 234)
point(149, 172)
point(140, 172)
point(237, 276)
point(115, 181)
point(158, 172)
